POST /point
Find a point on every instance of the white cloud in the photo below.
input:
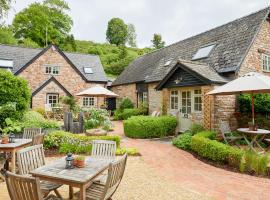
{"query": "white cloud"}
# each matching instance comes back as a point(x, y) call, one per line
point(174, 19)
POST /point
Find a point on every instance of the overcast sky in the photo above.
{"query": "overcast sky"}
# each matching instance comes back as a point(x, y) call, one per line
point(173, 19)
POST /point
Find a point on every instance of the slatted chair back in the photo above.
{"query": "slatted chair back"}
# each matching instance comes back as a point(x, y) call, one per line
point(103, 149)
point(29, 133)
point(22, 187)
point(224, 129)
point(115, 173)
point(38, 139)
point(30, 158)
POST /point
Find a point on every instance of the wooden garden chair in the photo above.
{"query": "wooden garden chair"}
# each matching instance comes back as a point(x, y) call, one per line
point(38, 139)
point(103, 149)
point(100, 191)
point(29, 133)
point(25, 188)
point(227, 133)
point(31, 158)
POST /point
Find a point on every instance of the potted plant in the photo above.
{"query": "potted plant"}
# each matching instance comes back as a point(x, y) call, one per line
point(5, 138)
point(80, 161)
point(11, 127)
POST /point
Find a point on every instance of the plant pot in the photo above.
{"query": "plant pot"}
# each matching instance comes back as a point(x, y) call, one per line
point(80, 163)
point(5, 139)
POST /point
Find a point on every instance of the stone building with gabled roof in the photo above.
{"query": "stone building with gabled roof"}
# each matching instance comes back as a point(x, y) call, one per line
point(52, 73)
point(176, 78)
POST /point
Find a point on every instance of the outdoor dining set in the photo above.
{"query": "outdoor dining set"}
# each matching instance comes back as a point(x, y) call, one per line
point(97, 179)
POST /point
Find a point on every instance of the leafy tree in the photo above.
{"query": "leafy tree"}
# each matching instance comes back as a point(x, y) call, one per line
point(157, 41)
point(14, 93)
point(69, 44)
point(4, 7)
point(131, 37)
point(6, 36)
point(49, 16)
point(28, 43)
point(117, 31)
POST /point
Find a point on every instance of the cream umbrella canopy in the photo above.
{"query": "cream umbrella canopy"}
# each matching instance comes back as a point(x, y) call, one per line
point(250, 83)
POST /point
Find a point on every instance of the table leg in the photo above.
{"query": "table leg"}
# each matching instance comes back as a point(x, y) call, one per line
point(13, 161)
point(71, 192)
point(82, 193)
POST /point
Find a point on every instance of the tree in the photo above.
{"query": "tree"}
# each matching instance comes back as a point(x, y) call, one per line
point(131, 37)
point(41, 18)
point(4, 7)
point(28, 43)
point(157, 41)
point(14, 93)
point(6, 36)
point(117, 31)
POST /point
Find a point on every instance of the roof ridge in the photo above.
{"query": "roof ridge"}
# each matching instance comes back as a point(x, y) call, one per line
point(88, 54)
point(211, 29)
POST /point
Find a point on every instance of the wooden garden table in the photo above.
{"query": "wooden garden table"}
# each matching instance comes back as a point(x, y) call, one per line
point(80, 178)
point(13, 148)
point(256, 137)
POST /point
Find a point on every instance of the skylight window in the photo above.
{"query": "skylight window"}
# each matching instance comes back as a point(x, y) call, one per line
point(88, 70)
point(6, 63)
point(167, 63)
point(203, 52)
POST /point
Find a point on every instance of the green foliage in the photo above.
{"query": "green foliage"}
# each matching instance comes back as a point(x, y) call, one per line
point(11, 127)
point(97, 117)
point(127, 113)
point(254, 163)
point(13, 90)
point(27, 42)
point(196, 128)
point(69, 101)
point(35, 119)
point(131, 37)
point(6, 35)
point(7, 110)
point(126, 103)
point(4, 7)
point(261, 103)
point(130, 151)
point(183, 141)
point(66, 142)
point(207, 134)
point(40, 111)
point(117, 31)
point(157, 41)
point(33, 21)
point(149, 127)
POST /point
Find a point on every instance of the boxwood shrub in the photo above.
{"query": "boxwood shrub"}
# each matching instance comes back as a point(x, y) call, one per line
point(149, 127)
point(127, 113)
point(183, 141)
point(66, 142)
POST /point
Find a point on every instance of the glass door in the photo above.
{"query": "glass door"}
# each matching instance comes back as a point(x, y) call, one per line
point(185, 121)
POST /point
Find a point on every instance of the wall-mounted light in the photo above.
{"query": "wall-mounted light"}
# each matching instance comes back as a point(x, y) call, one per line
point(178, 80)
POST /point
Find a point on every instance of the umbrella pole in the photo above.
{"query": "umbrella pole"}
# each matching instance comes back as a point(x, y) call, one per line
point(253, 115)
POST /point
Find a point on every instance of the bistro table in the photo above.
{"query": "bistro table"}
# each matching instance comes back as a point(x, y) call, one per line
point(256, 137)
point(13, 148)
point(80, 178)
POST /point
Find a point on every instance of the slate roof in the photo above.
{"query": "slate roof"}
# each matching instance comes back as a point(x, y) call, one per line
point(21, 56)
point(232, 42)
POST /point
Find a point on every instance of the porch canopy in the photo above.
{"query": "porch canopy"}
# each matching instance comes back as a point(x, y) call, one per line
point(250, 83)
point(97, 91)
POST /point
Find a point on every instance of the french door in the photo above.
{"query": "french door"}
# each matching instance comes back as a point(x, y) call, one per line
point(185, 110)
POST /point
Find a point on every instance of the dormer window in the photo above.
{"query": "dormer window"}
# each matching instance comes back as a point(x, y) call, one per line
point(88, 70)
point(52, 69)
point(203, 52)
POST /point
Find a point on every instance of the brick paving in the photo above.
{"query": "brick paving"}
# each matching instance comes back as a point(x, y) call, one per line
point(194, 175)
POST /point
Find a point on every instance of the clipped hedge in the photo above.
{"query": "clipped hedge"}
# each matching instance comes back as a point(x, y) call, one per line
point(214, 150)
point(183, 141)
point(127, 113)
point(149, 127)
point(66, 142)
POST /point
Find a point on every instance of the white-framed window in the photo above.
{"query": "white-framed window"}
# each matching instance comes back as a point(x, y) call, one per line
point(52, 99)
point(197, 100)
point(52, 69)
point(174, 100)
point(266, 62)
point(88, 101)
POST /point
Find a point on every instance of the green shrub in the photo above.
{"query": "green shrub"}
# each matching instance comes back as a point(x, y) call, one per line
point(254, 163)
point(207, 134)
point(129, 151)
point(196, 128)
point(35, 119)
point(183, 141)
point(14, 90)
point(66, 142)
point(126, 103)
point(127, 113)
point(40, 111)
point(261, 103)
point(149, 127)
point(97, 117)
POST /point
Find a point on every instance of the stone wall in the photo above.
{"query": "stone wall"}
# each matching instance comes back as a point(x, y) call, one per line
point(155, 98)
point(128, 90)
point(68, 76)
point(261, 45)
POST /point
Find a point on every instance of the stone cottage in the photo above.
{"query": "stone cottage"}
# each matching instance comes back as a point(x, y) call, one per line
point(176, 78)
point(52, 73)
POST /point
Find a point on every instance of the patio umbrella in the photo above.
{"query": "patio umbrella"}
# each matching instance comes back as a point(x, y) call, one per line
point(97, 91)
point(250, 83)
